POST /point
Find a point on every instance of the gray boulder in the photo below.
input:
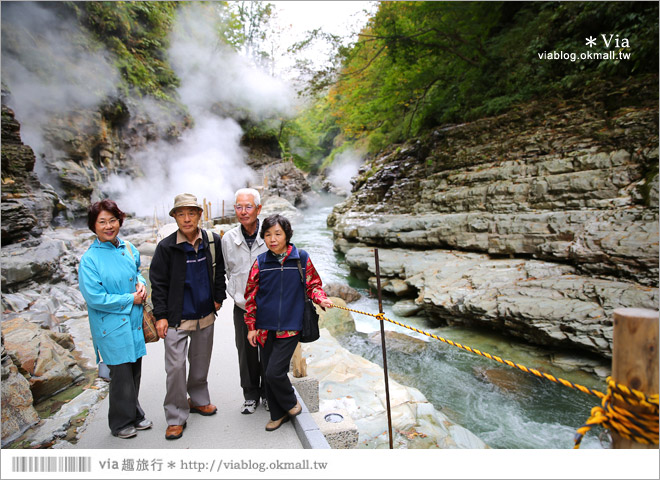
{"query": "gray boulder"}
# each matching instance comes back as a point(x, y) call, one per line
point(343, 291)
point(23, 262)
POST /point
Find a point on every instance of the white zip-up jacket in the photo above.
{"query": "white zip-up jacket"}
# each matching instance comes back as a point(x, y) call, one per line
point(239, 260)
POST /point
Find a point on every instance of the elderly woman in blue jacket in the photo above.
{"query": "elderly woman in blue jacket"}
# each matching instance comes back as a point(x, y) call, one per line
point(111, 283)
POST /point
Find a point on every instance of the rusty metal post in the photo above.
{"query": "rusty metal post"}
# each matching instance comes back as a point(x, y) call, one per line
point(382, 341)
point(635, 359)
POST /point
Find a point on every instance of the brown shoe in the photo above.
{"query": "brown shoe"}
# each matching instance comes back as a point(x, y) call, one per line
point(275, 424)
point(295, 410)
point(205, 410)
point(174, 431)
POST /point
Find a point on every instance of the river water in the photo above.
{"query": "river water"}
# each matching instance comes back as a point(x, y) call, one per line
point(505, 407)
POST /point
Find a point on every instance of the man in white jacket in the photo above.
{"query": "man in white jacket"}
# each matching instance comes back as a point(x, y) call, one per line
point(240, 247)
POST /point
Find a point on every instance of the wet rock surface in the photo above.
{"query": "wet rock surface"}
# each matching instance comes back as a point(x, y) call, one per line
point(349, 382)
point(538, 222)
point(542, 302)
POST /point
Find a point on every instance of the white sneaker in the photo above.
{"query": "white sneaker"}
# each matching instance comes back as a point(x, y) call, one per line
point(249, 406)
point(264, 402)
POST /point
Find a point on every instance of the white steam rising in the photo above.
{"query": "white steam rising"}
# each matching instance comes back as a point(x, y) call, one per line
point(49, 69)
point(344, 168)
point(208, 161)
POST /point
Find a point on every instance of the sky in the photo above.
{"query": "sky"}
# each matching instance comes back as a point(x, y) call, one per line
point(338, 18)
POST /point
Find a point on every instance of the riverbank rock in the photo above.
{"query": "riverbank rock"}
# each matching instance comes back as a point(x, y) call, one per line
point(282, 206)
point(285, 180)
point(406, 308)
point(346, 293)
point(18, 414)
point(31, 261)
point(335, 320)
point(532, 223)
point(399, 342)
point(348, 381)
point(542, 302)
point(27, 205)
point(48, 366)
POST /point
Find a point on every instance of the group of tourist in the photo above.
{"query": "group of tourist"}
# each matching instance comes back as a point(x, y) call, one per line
point(188, 286)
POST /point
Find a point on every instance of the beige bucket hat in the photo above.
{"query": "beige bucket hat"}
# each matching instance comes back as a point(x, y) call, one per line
point(185, 200)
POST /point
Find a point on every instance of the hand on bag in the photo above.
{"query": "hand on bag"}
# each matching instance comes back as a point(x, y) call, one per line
point(252, 338)
point(161, 327)
point(141, 290)
point(326, 303)
point(137, 298)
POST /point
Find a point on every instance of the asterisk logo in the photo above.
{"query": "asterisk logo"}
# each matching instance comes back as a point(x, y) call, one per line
point(591, 41)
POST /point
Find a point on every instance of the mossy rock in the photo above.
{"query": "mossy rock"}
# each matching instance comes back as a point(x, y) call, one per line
point(337, 321)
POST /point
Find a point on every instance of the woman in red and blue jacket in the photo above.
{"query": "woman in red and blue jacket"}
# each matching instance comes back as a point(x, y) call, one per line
point(274, 302)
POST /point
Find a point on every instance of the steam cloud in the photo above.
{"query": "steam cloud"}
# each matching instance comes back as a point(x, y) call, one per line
point(50, 71)
point(208, 161)
point(47, 72)
point(345, 167)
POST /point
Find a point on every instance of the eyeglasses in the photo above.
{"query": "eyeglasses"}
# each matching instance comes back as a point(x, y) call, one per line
point(246, 208)
point(112, 222)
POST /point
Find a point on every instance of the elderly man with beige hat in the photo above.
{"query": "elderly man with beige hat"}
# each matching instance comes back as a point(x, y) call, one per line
point(187, 289)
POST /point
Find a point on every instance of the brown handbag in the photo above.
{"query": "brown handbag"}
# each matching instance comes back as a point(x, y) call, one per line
point(148, 318)
point(149, 325)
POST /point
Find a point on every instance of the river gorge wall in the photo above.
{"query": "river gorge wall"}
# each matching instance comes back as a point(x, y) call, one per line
point(536, 223)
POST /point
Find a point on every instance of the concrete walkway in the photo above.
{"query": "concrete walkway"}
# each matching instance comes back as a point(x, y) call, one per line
point(226, 429)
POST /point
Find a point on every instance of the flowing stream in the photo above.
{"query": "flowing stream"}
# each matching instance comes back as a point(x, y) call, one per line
point(505, 407)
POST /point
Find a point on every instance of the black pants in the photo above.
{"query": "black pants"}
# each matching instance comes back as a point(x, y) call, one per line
point(248, 359)
point(124, 408)
point(276, 357)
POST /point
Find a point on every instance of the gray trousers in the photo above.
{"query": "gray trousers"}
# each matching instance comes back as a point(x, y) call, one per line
point(248, 360)
point(196, 384)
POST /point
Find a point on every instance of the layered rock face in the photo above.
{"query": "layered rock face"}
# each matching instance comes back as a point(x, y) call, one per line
point(572, 185)
point(27, 205)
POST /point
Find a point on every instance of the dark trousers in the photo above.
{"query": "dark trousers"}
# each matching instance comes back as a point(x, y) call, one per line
point(276, 357)
point(124, 407)
point(248, 359)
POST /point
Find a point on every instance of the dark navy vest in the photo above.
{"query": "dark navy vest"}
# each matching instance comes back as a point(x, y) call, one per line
point(281, 296)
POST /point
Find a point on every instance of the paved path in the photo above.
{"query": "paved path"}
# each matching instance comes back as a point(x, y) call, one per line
point(226, 429)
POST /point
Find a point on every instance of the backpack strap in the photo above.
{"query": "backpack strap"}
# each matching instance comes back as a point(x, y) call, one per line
point(303, 256)
point(211, 242)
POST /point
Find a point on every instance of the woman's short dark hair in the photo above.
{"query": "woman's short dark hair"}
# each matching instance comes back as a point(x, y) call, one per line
point(95, 209)
point(280, 220)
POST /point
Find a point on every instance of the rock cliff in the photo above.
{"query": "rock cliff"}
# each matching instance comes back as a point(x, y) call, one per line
point(537, 222)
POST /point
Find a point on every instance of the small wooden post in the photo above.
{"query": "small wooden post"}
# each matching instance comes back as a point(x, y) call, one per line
point(223, 209)
point(635, 359)
point(299, 363)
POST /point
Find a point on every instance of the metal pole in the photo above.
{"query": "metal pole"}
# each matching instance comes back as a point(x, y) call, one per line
point(382, 341)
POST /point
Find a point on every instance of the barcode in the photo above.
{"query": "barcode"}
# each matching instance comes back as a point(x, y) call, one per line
point(51, 464)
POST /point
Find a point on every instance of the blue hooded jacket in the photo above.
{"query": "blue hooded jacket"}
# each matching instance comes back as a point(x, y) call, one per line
point(107, 277)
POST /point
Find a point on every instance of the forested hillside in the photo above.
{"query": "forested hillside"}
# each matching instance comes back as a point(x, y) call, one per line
point(418, 65)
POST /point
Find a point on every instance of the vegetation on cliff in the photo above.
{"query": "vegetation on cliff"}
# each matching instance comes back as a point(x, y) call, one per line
point(421, 64)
